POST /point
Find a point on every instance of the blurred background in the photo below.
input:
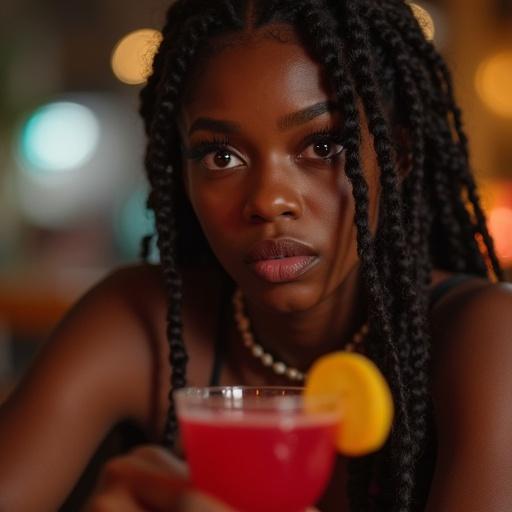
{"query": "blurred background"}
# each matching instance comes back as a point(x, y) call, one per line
point(72, 189)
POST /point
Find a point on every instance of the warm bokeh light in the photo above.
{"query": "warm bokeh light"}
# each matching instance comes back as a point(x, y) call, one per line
point(500, 227)
point(133, 55)
point(494, 83)
point(424, 19)
point(59, 137)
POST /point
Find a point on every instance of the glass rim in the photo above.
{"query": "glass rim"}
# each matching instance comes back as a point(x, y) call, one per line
point(212, 398)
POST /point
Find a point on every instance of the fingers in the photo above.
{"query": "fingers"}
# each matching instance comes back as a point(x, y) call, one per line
point(158, 457)
point(148, 476)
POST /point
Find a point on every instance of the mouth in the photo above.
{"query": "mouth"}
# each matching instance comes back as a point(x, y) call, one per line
point(281, 260)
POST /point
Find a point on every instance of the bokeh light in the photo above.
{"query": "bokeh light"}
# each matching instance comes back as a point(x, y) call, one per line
point(500, 227)
point(59, 137)
point(133, 55)
point(425, 20)
point(132, 222)
point(494, 83)
point(94, 178)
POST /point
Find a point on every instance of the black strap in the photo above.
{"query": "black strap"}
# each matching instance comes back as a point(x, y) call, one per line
point(445, 286)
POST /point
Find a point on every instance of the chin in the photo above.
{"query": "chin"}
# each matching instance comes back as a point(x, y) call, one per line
point(293, 297)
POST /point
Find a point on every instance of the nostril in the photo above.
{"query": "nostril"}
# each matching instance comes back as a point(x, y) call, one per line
point(257, 217)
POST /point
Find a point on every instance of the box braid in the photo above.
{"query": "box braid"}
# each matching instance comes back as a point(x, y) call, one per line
point(320, 31)
point(403, 17)
point(373, 52)
point(159, 105)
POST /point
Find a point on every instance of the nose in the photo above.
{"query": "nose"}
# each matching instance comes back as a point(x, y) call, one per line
point(272, 195)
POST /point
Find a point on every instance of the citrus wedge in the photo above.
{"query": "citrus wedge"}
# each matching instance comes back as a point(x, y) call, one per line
point(364, 398)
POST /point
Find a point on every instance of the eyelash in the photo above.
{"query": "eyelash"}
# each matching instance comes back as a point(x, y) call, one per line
point(207, 146)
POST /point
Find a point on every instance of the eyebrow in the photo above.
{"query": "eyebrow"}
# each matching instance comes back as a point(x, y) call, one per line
point(284, 123)
point(213, 125)
point(305, 115)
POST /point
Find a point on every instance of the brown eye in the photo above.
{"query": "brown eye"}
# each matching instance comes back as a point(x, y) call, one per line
point(323, 149)
point(221, 159)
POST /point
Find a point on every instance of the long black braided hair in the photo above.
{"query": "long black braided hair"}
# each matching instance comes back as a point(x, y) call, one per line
point(374, 52)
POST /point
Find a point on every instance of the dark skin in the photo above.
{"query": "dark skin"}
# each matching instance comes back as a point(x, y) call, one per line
point(108, 359)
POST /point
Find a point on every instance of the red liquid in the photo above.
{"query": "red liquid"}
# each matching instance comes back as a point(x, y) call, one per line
point(256, 464)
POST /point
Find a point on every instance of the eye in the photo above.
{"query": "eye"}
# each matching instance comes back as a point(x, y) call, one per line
point(221, 159)
point(324, 148)
point(215, 155)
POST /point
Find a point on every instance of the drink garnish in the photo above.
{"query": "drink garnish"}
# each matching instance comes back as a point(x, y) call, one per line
point(363, 396)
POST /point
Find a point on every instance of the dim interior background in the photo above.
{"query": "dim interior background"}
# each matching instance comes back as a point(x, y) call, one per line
point(72, 189)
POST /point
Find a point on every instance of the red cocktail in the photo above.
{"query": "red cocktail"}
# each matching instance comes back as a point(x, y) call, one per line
point(257, 449)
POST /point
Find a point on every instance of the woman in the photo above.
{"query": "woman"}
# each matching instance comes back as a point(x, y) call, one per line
point(310, 154)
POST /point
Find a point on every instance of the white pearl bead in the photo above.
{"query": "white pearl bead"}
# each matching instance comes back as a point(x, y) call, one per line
point(292, 373)
point(267, 360)
point(257, 350)
point(279, 368)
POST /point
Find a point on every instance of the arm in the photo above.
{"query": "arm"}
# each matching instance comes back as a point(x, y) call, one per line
point(472, 390)
point(94, 372)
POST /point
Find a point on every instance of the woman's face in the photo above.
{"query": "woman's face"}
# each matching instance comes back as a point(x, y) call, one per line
point(264, 171)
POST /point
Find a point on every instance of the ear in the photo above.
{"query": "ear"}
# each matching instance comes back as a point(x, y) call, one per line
point(403, 147)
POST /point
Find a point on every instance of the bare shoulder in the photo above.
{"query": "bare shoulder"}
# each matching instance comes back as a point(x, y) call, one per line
point(472, 383)
point(94, 371)
point(475, 318)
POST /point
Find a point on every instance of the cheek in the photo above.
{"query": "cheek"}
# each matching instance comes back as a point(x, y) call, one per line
point(217, 216)
point(334, 209)
point(343, 232)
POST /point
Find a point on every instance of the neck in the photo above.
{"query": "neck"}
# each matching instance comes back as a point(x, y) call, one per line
point(299, 338)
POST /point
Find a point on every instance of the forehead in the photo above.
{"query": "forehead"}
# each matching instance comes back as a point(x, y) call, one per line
point(268, 71)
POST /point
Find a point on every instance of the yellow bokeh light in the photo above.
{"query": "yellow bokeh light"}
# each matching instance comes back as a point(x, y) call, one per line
point(424, 19)
point(494, 83)
point(133, 55)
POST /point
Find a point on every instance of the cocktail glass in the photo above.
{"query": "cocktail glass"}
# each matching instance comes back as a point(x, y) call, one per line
point(258, 449)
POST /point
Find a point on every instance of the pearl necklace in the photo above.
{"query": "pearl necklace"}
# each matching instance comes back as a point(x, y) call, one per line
point(279, 368)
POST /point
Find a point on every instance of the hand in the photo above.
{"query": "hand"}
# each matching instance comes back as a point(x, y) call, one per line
point(149, 478)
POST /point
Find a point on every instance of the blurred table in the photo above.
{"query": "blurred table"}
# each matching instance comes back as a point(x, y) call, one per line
point(31, 304)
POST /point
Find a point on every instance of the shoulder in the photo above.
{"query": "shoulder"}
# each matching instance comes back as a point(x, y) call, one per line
point(96, 369)
point(474, 318)
point(471, 387)
point(105, 341)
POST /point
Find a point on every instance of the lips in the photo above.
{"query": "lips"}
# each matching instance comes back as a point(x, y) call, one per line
point(281, 260)
point(278, 249)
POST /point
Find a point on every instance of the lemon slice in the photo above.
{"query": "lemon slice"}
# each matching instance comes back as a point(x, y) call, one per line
point(363, 395)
